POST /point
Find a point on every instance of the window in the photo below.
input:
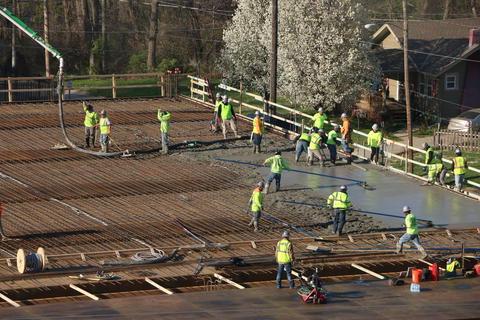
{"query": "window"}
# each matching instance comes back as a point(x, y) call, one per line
point(451, 82)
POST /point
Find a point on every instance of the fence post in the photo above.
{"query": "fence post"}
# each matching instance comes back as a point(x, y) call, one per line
point(406, 159)
point(162, 86)
point(241, 96)
point(10, 93)
point(114, 89)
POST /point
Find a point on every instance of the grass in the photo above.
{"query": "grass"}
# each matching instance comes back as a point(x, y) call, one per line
point(86, 84)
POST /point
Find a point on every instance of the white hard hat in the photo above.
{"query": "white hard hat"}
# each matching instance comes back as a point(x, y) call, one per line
point(343, 188)
point(224, 97)
point(218, 95)
point(375, 127)
point(261, 184)
point(257, 113)
point(458, 152)
point(103, 112)
point(406, 209)
point(320, 109)
point(285, 234)
point(344, 115)
point(229, 100)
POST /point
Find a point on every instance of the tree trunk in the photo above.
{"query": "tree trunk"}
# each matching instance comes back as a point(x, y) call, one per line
point(425, 7)
point(66, 17)
point(93, 6)
point(152, 36)
point(196, 35)
point(45, 35)
point(104, 38)
point(446, 9)
point(473, 5)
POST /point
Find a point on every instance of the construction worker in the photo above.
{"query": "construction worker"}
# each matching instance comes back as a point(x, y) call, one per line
point(374, 141)
point(451, 267)
point(319, 119)
point(301, 144)
point(228, 116)
point(332, 143)
point(459, 167)
point(340, 202)
point(257, 132)
point(277, 164)
point(90, 123)
point(434, 164)
point(216, 113)
point(285, 257)
point(164, 117)
point(346, 132)
point(315, 148)
point(105, 129)
point(411, 232)
point(2, 233)
point(256, 205)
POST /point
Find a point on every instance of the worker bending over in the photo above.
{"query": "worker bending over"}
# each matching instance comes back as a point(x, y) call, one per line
point(105, 129)
point(164, 117)
point(319, 119)
point(285, 257)
point(340, 202)
point(228, 116)
point(434, 165)
point(277, 164)
point(315, 148)
point(411, 232)
point(256, 205)
point(459, 167)
point(301, 144)
point(257, 132)
point(374, 141)
point(90, 123)
point(332, 143)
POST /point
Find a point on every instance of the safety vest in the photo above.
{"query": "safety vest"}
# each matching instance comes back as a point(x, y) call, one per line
point(257, 200)
point(91, 118)
point(411, 224)
point(305, 137)
point(164, 118)
point(332, 137)
point(429, 155)
point(459, 165)
point(227, 111)
point(257, 125)
point(283, 251)
point(374, 139)
point(315, 141)
point(339, 200)
point(319, 120)
point(277, 164)
point(452, 266)
point(104, 125)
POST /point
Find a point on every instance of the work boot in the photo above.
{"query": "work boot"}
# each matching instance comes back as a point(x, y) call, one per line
point(87, 142)
point(254, 149)
point(259, 150)
point(291, 284)
point(267, 185)
point(423, 252)
point(399, 249)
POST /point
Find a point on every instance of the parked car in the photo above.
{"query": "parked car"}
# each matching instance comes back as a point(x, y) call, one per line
point(466, 121)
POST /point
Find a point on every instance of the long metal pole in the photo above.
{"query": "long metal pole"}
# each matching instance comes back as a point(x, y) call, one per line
point(45, 37)
point(14, 62)
point(273, 62)
point(407, 85)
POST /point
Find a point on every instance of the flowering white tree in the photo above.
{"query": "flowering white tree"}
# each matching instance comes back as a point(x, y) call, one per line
point(246, 53)
point(322, 56)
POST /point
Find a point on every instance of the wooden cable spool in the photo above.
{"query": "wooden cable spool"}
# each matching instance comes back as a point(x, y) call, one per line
point(31, 261)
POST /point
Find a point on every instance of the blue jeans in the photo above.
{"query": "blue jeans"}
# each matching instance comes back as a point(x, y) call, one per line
point(459, 181)
point(414, 238)
point(277, 177)
point(302, 146)
point(288, 270)
point(332, 148)
point(339, 220)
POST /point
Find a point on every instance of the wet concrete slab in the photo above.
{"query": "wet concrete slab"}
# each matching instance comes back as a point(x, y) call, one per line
point(446, 299)
point(391, 191)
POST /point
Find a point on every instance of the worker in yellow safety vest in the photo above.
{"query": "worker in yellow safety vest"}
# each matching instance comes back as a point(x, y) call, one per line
point(257, 132)
point(433, 164)
point(315, 148)
point(277, 164)
point(228, 116)
point(340, 202)
point(319, 118)
point(256, 205)
point(459, 167)
point(332, 143)
point(216, 122)
point(301, 144)
point(90, 122)
point(105, 130)
point(451, 267)
point(164, 117)
point(285, 257)
point(411, 233)
point(374, 141)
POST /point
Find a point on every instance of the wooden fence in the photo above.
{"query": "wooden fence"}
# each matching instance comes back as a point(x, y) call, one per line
point(450, 140)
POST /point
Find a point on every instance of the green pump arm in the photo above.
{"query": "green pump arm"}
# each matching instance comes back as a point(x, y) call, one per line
point(29, 32)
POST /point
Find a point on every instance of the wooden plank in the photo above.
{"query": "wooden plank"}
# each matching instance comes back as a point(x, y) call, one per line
point(84, 292)
point(159, 287)
point(230, 282)
point(370, 272)
point(10, 301)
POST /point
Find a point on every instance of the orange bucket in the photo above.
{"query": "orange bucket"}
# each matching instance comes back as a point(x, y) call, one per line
point(434, 272)
point(416, 275)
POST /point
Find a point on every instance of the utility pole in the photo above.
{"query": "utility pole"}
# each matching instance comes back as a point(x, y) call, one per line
point(45, 35)
point(406, 85)
point(14, 62)
point(273, 62)
point(104, 38)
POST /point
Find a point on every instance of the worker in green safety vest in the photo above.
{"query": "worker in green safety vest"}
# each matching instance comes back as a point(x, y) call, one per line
point(164, 117)
point(105, 129)
point(90, 122)
point(228, 116)
point(277, 164)
point(411, 233)
point(340, 202)
point(374, 141)
point(332, 143)
point(319, 118)
point(434, 164)
point(216, 121)
point(284, 257)
point(301, 144)
point(459, 167)
point(315, 148)
point(451, 267)
point(256, 205)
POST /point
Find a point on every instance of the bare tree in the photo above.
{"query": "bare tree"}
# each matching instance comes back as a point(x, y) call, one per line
point(67, 19)
point(473, 6)
point(425, 7)
point(446, 9)
point(152, 36)
point(104, 38)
